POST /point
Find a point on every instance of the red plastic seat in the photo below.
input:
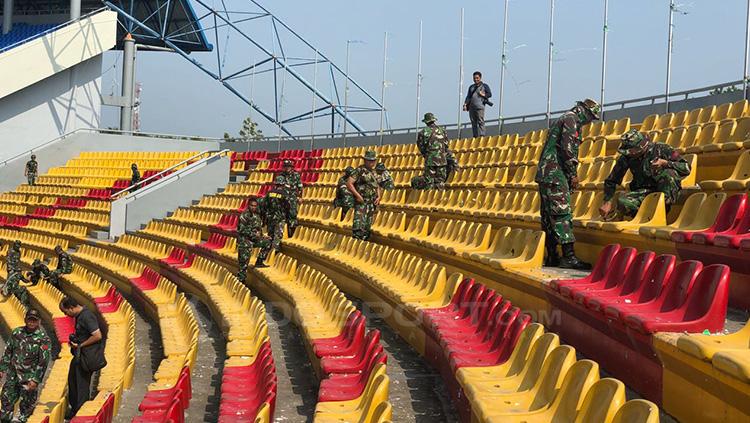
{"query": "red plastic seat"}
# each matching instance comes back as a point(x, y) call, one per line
point(147, 281)
point(486, 328)
point(463, 290)
point(734, 236)
point(64, 326)
point(476, 320)
point(354, 363)
point(625, 282)
point(646, 290)
point(162, 398)
point(475, 295)
point(598, 273)
point(348, 386)
point(617, 268)
point(353, 335)
point(729, 213)
point(176, 256)
point(705, 307)
point(109, 303)
point(173, 414)
point(500, 350)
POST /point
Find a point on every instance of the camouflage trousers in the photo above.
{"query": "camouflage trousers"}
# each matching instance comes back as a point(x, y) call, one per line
point(276, 232)
point(245, 250)
point(434, 177)
point(345, 201)
point(31, 178)
point(13, 286)
point(364, 214)
point(293, 206)
point(667, 182)
point(556, 212)
point(12, 392)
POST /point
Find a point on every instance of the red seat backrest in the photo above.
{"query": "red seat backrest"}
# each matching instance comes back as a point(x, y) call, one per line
point(678, 285)
point(656, 277)
point(637, 270)
point(731, 211)
point(710, 290)
point(619, 266)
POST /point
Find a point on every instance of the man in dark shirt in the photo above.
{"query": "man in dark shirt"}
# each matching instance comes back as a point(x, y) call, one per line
point(478, 96)
point(87, 333)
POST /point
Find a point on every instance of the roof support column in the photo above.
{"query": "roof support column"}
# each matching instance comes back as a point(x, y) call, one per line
point(75, 9)
point(7, 16)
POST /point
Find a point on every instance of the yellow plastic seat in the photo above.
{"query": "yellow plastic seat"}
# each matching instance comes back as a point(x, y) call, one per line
point(651, 213)
point(704, 347)
point(648, 123)
point(723, 137)
point(707, 135)
point(738, 180)
point(735, 363)
point(637, 411)
point(687, 215)
point(529, 254)
point(722, 112)
point(559, 404)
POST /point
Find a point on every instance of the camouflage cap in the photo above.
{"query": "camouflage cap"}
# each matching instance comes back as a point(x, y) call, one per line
point(279, 180)
point(32, 314)
point(592, 106)
point(288, 163)
point(370, 155)
point(380, 166)
point(17, 243)
point(633, 143)
point(36, 262)
point(429, 118)
point(348, 171)
point(33, 156)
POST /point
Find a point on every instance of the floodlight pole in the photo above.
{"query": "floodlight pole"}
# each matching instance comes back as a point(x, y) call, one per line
point(382, 89)
point(503, 58)
point(669, 55)
point(605, 29)
point(549, 59)
point(128, 75)
point(419, 81)
point(460, 76)
point(312, 110)
point(747, 52)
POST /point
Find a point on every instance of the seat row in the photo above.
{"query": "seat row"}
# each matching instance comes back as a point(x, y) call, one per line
point(349, 361)
point(166, 396)
point(143, 164)
point(137, 155)
point(249, 382)
point(119, 321)
point(454, 315)
point(703, 115)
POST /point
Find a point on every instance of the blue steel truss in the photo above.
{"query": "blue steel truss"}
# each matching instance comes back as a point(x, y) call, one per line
point(265, 52)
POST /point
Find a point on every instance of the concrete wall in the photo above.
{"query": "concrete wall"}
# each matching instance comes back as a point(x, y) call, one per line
point(58, 153)
point(57, 105)
point(177, 190)
point(636, 114)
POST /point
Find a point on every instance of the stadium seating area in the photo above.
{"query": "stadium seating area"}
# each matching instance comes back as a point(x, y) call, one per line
point(456, 273)
point(20, 32)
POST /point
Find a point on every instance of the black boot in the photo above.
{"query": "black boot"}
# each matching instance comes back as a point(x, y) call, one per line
point(570, 261)
point(259, 263)
point(553, 257)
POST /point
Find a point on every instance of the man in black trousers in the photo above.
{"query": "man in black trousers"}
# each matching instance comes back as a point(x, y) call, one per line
point(86, 335)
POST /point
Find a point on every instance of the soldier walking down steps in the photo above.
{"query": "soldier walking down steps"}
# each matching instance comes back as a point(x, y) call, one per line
point(249, 236)
point(656, 167)
point(32, 168)
point(344, 198)
point(557, 176)
point(23, 365)
point(363, 184)
point(276, 211)
point(439, 162)
point(135, 177)
point(293, 183)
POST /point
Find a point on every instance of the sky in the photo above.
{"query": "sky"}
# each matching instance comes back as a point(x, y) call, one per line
point(178, 98)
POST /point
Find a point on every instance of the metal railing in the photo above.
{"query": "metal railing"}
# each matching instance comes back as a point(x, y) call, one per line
point(615, 105)
point(53, 29)
point(112, 132)
point(168, 171)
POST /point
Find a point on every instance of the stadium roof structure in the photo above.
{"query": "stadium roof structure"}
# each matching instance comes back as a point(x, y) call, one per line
point(172, 20)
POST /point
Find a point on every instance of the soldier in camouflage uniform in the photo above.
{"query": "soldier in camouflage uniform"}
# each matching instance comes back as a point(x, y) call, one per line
point(38, 269)
point(293, 183)
point(64, 266)
point(439, 162)
point(276, 211)
point(656, 167)
point(557, 176)
point(12, 286)
point(32, 168)
point(249, 236)
point(135, 177)
point(385, 180)
point(13, 259)
point(344, 197)
point(363, 184)
point(23, 365)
